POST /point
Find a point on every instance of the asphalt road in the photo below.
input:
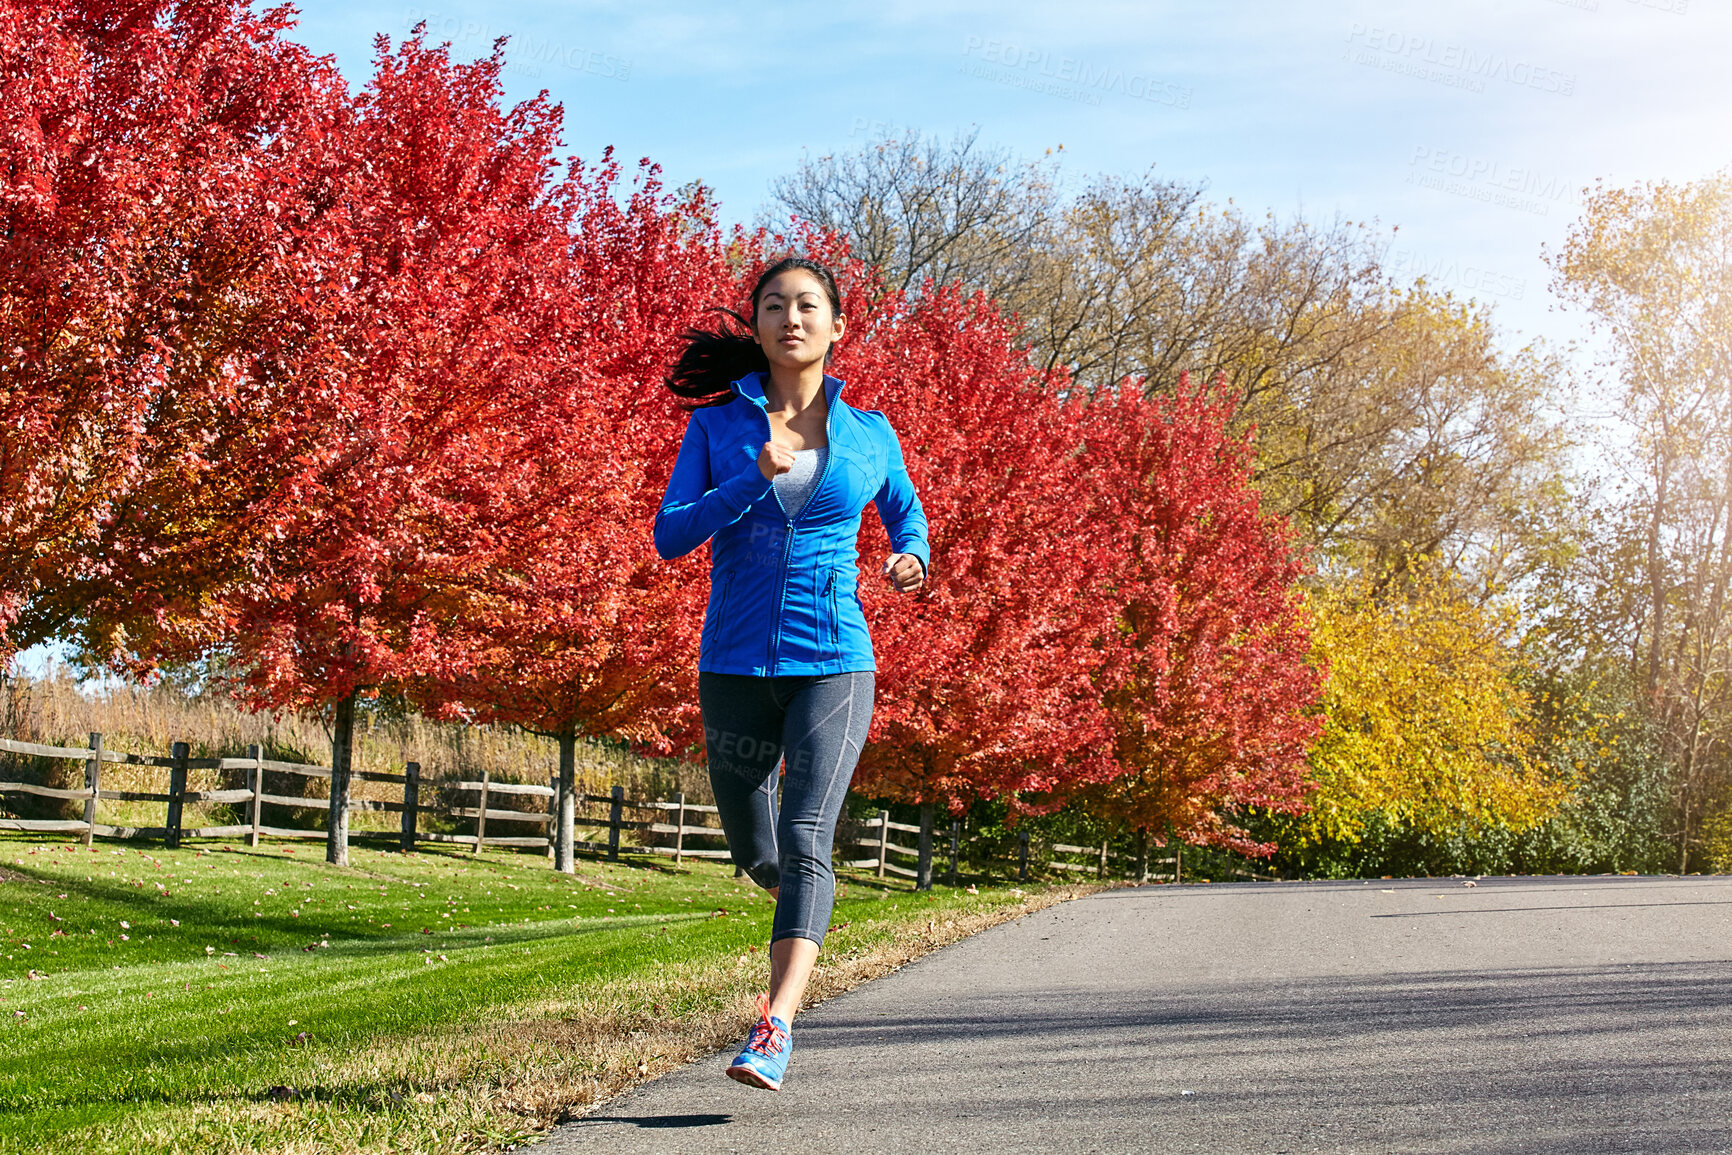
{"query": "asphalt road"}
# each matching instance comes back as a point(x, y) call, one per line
point(1555, 1015)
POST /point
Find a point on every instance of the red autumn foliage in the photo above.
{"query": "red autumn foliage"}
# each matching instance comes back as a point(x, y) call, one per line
point(132, 264)
point(983, 681)
point(1206, 675)
point(586, 631)
point(381, 452)
point(430, 378)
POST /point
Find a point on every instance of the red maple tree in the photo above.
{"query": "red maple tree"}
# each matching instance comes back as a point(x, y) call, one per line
point(373, 470)
point(984, 675)
point(134, 271)
point(582, 630)
point(1205, 675)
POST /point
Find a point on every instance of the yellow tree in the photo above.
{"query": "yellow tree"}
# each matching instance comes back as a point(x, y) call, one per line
point(1651, 265)
point(1425, 723)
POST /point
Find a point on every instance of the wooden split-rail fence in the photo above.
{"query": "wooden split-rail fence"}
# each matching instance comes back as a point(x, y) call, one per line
point(878, 838)
point(675, 820)
point(492, 802)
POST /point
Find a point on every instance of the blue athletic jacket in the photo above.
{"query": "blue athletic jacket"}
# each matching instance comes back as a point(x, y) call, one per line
point(784, 592)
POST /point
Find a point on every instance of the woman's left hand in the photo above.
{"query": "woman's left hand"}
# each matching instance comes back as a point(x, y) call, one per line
point(903, 570)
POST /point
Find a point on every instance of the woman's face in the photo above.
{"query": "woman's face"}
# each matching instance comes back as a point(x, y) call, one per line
point(795, 322)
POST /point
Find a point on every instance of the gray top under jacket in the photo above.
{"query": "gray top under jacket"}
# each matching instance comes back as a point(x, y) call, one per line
point(796, 485)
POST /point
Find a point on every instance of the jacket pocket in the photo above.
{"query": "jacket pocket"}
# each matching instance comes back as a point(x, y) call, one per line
point(713, 627)
point(835, 612)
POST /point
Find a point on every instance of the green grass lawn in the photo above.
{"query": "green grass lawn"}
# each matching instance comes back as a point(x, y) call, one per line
point(222, 998)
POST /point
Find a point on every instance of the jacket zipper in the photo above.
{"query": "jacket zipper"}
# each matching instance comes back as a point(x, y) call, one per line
point(788, 538)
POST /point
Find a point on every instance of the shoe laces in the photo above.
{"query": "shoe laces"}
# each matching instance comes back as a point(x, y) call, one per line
point(766, 1036)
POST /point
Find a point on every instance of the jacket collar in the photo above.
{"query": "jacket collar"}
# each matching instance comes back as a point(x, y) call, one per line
point(751, 387)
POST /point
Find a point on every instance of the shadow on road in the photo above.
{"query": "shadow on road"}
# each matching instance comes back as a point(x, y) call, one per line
point(653, 1122)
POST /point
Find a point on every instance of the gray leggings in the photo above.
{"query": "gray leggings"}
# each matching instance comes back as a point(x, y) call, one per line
point(819, 722)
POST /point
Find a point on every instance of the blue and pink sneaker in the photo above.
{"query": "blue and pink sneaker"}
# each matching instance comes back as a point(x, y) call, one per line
point(765, 1057)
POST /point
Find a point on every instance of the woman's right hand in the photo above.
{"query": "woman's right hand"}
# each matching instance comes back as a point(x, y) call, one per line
point(775, 458)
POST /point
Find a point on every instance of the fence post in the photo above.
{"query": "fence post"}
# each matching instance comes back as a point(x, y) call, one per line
point(1102, 871)
point(411, 804)
point(481, 816)
point(613, 817)
point(176, 796)
point(923, 867)
point(1022, 857)
point(92, 783)
point(257, 754)
point(1176, 855)
point(679, 825)
point(883, 840)
point(955, 833)
point(552, 823)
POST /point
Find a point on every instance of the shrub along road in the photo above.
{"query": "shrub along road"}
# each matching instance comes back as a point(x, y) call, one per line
point(1556, 1015)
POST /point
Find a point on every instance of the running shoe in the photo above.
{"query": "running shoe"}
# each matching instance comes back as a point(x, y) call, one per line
point(765, 1057)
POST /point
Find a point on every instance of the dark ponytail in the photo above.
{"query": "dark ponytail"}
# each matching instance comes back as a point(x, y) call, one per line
point(715, 358)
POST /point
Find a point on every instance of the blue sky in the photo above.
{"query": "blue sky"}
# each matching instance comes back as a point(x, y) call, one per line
point(1470, 125)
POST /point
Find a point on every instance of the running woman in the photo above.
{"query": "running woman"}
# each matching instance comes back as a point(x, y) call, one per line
point(775, 471)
